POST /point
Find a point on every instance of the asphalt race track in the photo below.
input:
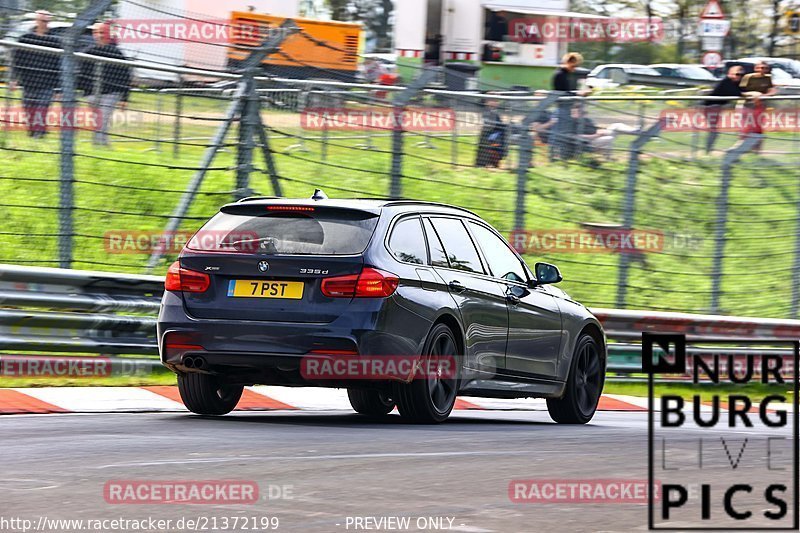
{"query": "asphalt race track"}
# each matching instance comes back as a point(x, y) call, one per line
point(336, 465)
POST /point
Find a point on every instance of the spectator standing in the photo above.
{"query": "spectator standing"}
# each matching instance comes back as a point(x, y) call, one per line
point(565, 81)
point(39, 73)
point(373, 70)
point(105, 84)
point(492, 142)
point(727, 86)
point(754, 86)
point(497, 26)
point(433, 50)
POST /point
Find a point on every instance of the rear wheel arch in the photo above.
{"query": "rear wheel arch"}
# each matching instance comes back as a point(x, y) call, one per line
point(455, 326)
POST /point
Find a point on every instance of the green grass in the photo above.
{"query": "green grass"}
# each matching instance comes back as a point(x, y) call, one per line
point(136, 185)
point(160, 378)
point(755, 392)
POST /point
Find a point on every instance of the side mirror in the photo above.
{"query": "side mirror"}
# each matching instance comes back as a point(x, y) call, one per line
point(546, 274)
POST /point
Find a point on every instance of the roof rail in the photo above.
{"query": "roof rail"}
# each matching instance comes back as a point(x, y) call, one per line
point(256, 198)
point(424, 202)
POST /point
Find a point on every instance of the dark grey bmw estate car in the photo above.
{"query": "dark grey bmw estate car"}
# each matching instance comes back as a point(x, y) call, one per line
point(269, 286)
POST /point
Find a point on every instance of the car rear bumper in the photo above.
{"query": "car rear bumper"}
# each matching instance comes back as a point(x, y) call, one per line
point(272, 353)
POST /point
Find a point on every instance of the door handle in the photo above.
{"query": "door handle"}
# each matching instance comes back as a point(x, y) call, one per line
point(512, 298)
point(456, 286)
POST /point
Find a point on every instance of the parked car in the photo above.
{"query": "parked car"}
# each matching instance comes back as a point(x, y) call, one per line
point(687, 72)
point(780, 78)
point(791, 66)
point(615, 75)
point(279, 281)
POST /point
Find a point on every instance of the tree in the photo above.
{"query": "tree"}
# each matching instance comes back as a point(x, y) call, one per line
point(339, 9)
point(376, 15)
point(60, 8)
point(773, 31)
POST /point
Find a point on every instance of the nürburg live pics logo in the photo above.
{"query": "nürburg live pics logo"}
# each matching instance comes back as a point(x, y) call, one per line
point(723, 448)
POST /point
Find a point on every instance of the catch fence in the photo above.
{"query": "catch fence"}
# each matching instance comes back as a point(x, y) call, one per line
point(616, 188)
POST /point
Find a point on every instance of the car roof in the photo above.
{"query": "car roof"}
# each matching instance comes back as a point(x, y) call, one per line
point(621, 65)
point(374, 205)
point(755, 59)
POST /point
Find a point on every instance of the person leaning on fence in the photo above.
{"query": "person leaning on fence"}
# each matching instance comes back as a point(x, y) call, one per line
point(565, 81)
point(38, 73)
point(492, 145)
point(106, 85)
point(754, 86)
point(727, 86)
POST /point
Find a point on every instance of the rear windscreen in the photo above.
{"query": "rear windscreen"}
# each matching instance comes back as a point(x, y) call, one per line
point(329, 232)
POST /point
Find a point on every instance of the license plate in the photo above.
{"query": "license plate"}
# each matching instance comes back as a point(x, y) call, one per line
point(245, 288)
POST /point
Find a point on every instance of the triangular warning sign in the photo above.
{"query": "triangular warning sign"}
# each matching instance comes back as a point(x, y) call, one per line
point(713, 10)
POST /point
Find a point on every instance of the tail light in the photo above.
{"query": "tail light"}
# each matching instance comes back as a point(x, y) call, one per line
point(185, 280)
point(370, 283)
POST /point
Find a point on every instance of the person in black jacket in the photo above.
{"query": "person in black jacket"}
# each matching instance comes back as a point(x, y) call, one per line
point(106, 85)
point(565, 81)
point(38, 73)
point(727, 86)
point(492, 145)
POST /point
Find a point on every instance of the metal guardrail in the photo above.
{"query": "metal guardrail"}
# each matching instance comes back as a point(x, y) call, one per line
point(50, 310)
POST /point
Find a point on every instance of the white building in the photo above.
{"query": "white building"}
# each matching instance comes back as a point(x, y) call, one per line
point(204, 17)
point(463, 27)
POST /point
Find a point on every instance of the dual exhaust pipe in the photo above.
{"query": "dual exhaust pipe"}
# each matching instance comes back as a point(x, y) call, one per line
point(195, 362)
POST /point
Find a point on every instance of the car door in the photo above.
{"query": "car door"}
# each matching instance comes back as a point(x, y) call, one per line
point(534, 320)
point(480, 299)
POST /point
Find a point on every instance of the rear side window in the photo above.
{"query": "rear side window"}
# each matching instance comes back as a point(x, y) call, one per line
point(458, 245)
point(407, 242)
point(438, 257)
point(324, 232)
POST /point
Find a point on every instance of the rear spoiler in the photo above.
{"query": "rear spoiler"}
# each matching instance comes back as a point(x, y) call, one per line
point(260, 208)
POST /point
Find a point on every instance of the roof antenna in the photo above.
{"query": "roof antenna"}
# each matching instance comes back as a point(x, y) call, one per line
point(319, 194)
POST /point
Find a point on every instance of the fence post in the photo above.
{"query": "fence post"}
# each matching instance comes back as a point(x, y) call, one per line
point(732, 155)
point(400, 102)
point(176, 133)
point(68, 105)
point(250, 117)
point(629, 208)
point(272, 170)
point(237, 107)
point(526, 156)
point(247, 124)
point(454, 138)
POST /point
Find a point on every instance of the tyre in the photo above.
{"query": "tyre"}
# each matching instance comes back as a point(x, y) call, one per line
point(584, 385)
point(370, 402)
point(430, 397)
point(206, 395)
